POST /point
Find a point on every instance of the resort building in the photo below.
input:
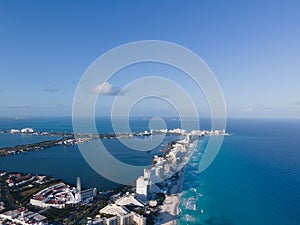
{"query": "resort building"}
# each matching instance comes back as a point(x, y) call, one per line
point(60, 195)
point(145, 188)
point(121, 216)
point(87, 196)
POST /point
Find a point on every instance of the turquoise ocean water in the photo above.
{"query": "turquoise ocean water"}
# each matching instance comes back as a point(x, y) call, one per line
point(255, 178)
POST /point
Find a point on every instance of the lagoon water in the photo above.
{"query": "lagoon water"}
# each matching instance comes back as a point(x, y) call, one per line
point(255, 178)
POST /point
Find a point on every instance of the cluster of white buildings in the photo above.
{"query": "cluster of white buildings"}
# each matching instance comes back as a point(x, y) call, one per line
point(60, 195)
point(184, 132)
point(74, 141)
point(119, 214)
point(20, 180)
point(208, 132)
point(164, 167)
point(172, 131)
point(24, 130)
point(22, 216)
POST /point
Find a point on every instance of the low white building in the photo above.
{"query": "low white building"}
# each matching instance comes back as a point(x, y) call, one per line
point(60, 195)
point(14, 131)
point(121, 216)
point(24, 216)
point(87, 196)
point(99, 221)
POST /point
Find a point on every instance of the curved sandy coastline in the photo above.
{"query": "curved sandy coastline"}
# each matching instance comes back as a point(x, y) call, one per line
point(169, 211)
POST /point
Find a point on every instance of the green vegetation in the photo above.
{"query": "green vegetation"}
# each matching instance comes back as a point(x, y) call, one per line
point(56, 216)
point(160, 198)
point(5, 196)
point(32, 146)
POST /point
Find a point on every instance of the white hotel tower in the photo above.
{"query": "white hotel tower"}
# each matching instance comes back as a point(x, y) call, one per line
point(143, 186)
point(78, 182)
point(78, 187)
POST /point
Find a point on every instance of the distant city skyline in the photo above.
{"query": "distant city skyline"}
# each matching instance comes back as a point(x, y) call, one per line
point(252, 47)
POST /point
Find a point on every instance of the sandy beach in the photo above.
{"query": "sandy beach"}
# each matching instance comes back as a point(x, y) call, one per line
point(169, 210)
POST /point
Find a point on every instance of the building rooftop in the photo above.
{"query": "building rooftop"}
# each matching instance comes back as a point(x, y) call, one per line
point(129, 200)
point(113, 209)
point(39, 218)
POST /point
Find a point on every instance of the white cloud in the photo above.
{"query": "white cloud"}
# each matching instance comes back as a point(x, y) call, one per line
point(106, 88)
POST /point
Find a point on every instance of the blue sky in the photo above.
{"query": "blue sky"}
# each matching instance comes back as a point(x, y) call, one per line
point(252, 47)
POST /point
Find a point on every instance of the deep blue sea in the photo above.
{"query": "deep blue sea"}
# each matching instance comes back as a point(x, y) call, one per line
point(255, 178)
